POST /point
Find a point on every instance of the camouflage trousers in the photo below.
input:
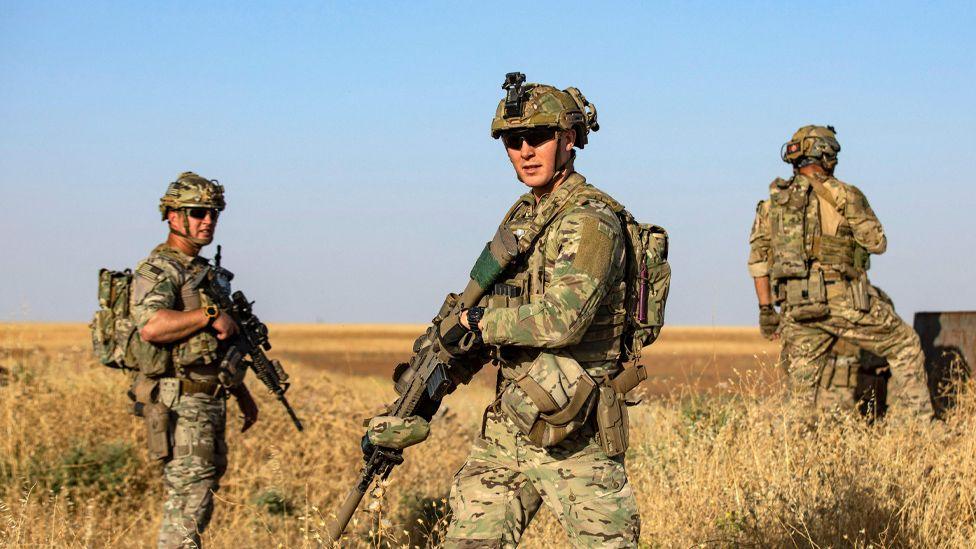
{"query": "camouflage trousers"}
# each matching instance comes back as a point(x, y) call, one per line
point(839, 384)
point(192, 474)
point(506, 478)
point(880, 331)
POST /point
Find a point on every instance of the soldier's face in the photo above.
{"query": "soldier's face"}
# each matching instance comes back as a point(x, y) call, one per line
point(536, 160)
point(200, 222)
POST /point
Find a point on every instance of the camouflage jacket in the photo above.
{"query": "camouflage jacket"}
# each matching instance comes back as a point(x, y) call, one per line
point(849, 218)
point(170, 279)
point(567, 293)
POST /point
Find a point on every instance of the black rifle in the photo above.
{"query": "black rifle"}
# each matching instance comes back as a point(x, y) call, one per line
point(437, 366)
point(252, 334)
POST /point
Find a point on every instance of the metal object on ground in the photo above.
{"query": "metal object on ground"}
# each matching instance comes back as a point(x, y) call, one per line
point(949, 344)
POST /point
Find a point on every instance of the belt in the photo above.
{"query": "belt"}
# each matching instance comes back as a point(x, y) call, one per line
point(210, 388)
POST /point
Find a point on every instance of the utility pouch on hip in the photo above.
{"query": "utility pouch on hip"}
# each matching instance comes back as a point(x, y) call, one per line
point(611, 418)
point(805, 298)
point(860, 294)
point(551, 400)
point(157, 430)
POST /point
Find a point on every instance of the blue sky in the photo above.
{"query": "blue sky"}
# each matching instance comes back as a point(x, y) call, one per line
point(361, 178)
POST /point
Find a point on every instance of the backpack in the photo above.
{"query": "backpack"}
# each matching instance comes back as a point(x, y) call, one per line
point(647, 276)
point(648, 280)
point(112, 329)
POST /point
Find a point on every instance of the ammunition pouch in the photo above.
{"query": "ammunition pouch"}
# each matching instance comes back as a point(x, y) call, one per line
point(551, 400)
point(508, 294)
point(861, 294)
point(200, 349)
point(837, 253)
point(803, 298)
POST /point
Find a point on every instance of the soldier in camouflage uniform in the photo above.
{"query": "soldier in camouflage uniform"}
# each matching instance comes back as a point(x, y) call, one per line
point(560, 312)
point(809, 250)
point(184, 368)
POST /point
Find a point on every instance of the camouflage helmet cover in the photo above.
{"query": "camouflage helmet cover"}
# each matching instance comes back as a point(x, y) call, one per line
point(811, 144)
point(192, 191)
point(541, 105)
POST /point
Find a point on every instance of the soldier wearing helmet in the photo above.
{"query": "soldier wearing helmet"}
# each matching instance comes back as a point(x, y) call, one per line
point(186, 369)
point(809, 255)
point(557, 318)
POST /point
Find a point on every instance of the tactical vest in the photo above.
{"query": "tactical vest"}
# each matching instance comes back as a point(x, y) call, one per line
point(551, 394)
point(811, 245)
point(196, 356)
point(526, 281)
point(798, 240)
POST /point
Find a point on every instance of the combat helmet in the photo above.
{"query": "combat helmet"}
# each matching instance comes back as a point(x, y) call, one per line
point(192, 191)
point(812, 144)
point(540, 105)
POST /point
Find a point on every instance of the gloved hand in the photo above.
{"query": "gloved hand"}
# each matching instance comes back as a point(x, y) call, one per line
point(247, 406)
point(768, 322)
point(394, 432)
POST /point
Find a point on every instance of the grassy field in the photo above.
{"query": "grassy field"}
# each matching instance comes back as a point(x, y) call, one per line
point(716, 459)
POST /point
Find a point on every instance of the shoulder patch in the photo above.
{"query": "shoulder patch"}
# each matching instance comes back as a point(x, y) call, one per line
point(150, 272)
point(595, 246)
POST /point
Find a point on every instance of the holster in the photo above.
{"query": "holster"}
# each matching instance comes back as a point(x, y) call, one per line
point(147, 404)
point(157, 430)
point(613, 429)
point(611, 419)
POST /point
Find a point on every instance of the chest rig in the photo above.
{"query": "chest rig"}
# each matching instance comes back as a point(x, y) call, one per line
point(527, 279)
point(201, 349)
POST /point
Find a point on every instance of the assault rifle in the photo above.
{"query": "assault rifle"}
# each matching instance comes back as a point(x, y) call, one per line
point(435, 369)
point(252, 334)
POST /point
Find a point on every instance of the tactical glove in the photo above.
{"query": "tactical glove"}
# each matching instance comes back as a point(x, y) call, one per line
point(768, 321)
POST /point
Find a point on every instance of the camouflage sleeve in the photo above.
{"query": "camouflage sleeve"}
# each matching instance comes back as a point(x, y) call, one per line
point(155, 284)
point(867, 229)
point(589, 254)
point(759, 242)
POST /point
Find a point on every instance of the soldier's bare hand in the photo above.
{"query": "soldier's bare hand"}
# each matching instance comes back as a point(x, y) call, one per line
point(224, 325)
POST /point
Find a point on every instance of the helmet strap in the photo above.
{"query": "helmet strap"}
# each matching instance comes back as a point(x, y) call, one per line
point(562, 169)
point(199, 242)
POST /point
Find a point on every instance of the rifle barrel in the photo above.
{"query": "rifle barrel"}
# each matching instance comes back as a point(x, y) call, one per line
point(345, 512)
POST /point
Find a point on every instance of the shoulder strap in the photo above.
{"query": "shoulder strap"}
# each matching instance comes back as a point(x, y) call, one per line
point(822, 192)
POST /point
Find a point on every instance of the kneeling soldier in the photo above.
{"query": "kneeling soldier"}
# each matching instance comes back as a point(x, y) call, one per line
point(810, 246)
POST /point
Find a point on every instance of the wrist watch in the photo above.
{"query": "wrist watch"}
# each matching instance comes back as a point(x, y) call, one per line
point(211, 312)
point(474, 317)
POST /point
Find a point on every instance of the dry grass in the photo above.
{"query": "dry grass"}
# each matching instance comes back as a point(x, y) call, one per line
point(725, 468)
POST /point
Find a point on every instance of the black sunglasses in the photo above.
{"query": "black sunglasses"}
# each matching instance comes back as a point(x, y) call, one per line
point(534, 137)
point(201, 213)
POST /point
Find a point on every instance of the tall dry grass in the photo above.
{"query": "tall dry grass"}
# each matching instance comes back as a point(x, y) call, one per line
point(736, 469)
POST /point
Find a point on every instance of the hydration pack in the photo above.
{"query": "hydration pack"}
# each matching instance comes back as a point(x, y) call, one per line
point(112, 329)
